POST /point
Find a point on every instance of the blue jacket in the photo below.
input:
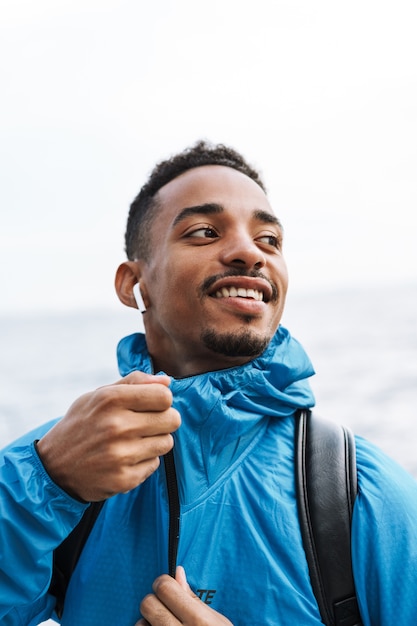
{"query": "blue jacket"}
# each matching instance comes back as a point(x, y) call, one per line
point(240, 540)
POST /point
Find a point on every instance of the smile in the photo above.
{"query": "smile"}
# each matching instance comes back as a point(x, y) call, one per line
point(239, 292)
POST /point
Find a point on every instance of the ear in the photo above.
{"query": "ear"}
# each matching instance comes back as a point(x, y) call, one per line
point(127, 275)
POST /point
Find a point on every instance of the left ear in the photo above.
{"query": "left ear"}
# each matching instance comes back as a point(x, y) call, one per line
point(127, 275)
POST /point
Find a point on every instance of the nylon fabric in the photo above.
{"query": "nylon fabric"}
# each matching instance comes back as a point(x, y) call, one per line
point(240, 540)
point(384, 541)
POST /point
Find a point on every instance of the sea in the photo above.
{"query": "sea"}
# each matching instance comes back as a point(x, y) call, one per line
point(362, 342)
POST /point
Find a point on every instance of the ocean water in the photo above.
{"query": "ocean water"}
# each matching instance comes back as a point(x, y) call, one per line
point(363, 344)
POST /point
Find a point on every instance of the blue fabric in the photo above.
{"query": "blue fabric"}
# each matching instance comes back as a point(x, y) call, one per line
point(240, 540)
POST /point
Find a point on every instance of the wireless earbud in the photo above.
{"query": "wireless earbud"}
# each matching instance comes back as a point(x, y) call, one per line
point(138, 298)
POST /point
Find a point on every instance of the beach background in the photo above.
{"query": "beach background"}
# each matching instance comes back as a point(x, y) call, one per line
point(320, 96)
point(363, 344)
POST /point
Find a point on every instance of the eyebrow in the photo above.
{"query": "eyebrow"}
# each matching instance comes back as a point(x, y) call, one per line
point(212, 208)
point(200, 209)
point(267, 218)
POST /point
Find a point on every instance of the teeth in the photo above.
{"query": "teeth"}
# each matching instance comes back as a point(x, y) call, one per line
point(240, 292)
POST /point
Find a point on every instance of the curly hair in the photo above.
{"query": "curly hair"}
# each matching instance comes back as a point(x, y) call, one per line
point(143, 208)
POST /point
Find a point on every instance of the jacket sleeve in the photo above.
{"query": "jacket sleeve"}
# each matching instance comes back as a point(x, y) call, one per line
point(35, 516)
point(384, 540)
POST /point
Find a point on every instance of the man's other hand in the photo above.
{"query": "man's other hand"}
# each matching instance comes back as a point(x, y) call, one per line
point(173, 603)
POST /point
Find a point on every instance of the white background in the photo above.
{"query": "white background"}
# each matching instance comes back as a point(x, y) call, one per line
point(321, 96)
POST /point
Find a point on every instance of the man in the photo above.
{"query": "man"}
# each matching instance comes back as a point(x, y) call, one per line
point(222, 379)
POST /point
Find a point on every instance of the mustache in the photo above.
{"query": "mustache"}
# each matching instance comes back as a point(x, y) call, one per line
point(208, 282)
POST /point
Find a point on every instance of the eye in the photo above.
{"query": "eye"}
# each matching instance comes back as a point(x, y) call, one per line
point(271, 240)
point(205, 232)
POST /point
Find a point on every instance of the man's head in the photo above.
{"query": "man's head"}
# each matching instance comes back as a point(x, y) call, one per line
point(209, 261)
point(144, 207)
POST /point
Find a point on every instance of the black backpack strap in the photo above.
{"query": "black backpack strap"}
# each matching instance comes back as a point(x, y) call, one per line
point(326, 490)
point(66, 555)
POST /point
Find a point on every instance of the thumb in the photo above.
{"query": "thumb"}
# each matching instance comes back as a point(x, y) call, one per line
point(140, 378)
point(181, 579)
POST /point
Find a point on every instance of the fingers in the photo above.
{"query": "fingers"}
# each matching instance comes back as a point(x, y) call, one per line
point(117, 434)
point(138, 378)
point(183, 603)
point(156, 613)
point(144, 396)
point(173, 602)
point(133, 413)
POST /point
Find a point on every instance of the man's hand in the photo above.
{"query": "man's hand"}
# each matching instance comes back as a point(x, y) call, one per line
point(111, 439)
point(174, 603)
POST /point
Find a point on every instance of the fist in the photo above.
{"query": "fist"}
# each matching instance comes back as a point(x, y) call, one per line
point(111, 439)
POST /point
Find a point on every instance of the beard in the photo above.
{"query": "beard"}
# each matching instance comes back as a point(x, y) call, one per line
point(241, 344)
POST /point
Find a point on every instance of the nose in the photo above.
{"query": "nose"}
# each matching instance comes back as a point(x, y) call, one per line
point(240, 250)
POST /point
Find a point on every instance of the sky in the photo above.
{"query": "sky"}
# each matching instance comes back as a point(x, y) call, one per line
point(320, 96)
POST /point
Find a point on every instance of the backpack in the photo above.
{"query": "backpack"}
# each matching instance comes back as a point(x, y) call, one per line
point(326, 484)
point(325, 470)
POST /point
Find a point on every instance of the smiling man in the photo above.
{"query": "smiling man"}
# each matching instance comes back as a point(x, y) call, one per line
point(218, 376)
point(214, 279)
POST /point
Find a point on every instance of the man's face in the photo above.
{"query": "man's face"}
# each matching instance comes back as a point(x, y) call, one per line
point(216, 279)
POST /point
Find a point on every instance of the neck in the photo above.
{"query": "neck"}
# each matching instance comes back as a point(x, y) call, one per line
point(183, 367)
point(207, 353)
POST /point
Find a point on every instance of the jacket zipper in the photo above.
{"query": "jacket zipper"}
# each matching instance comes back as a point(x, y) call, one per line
point(174, 511)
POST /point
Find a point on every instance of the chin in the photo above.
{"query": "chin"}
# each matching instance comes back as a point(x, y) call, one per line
point(242, 343)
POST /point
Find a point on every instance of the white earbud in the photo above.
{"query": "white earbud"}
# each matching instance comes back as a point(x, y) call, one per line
point(138, 298)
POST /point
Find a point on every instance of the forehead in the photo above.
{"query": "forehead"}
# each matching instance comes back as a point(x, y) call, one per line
point(212, 184)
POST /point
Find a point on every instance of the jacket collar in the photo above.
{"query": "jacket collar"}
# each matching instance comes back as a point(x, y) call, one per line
point(223, 411)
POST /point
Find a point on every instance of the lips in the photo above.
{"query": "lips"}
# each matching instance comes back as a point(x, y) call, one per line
point(249, 288)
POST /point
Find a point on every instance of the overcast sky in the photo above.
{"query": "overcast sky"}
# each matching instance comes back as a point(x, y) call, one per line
point(321, 96)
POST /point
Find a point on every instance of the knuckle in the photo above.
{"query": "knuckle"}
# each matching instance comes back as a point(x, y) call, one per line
point(115, 450)
point(155, 463)
point(151, 467)
point(134, 377)
point(139, 474)
point(158, 446)
point(106, 397)
point(175, 419)
point(162, 584)
point(123, 481)
point(151, 608)
point(164, 396)
point(146, 603)
point(110, 429)
point(165, 443)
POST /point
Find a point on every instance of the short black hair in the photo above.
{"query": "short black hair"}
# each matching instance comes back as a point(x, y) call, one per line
point(142, 210)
